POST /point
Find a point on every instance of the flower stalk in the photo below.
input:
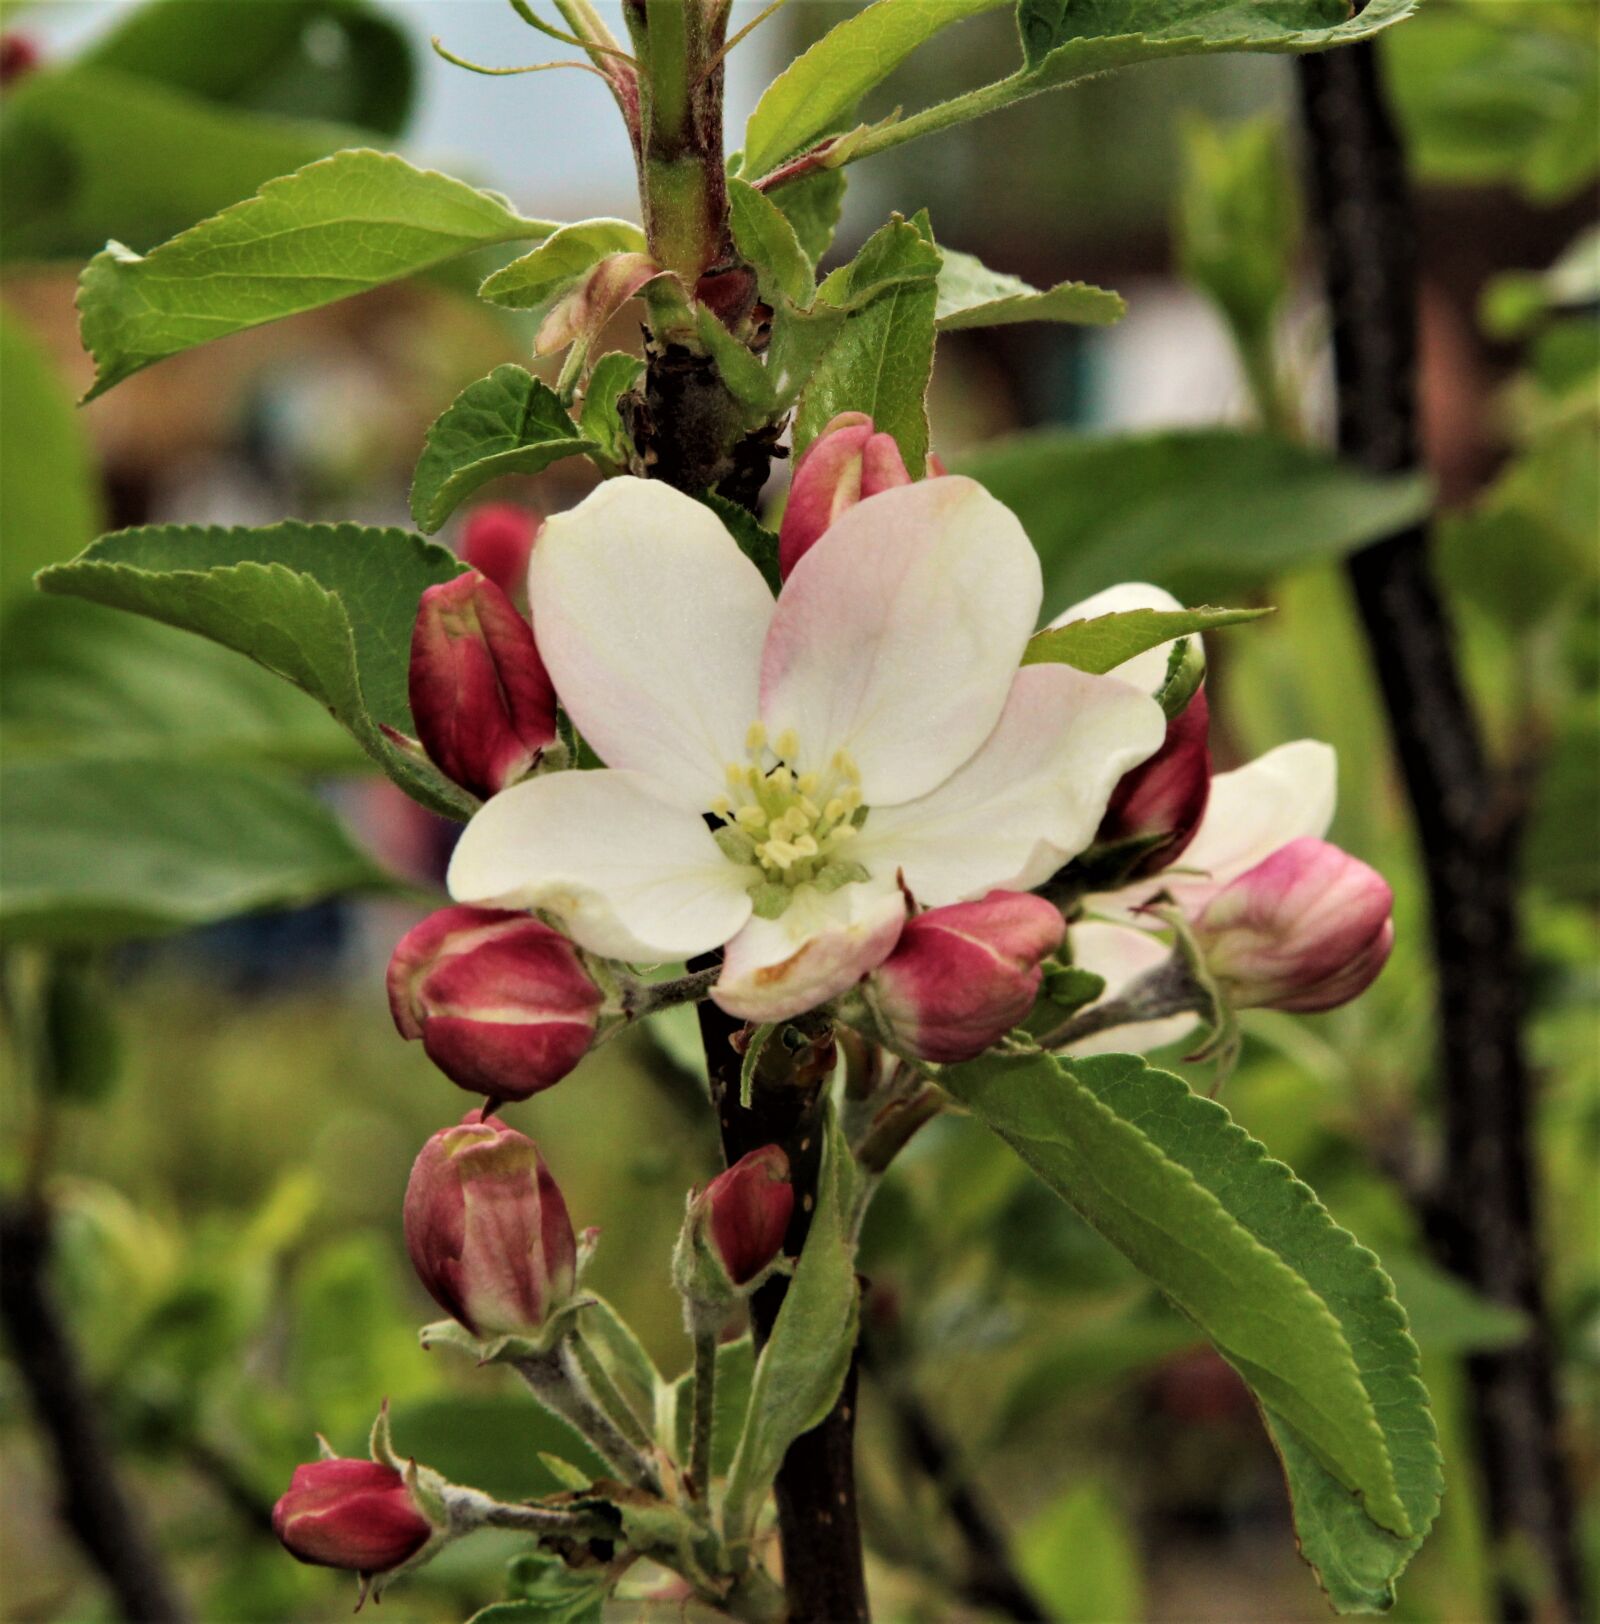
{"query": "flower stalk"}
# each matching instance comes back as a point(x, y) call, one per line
point(558, 1381)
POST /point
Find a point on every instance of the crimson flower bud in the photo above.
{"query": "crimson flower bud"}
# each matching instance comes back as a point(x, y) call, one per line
point(487, 1229)
point(744, 1213)
point(961, 977)
point(1306, 929)
point(356, 1514)
point(501, 1002)
point(498, 541)
point(848, 462)
point(1166, 795)
point(483, 702)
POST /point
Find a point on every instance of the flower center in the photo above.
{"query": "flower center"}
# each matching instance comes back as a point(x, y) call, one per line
point(796, 829)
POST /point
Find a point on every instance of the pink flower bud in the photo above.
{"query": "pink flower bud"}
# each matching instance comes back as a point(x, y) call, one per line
point(498, 541)
point(501, 1002)
point(1306, 929)
point(483, 703)
point(1167, 794)
point(354, 1514)
point(487, 1230)
point(746, 1212)
point(960, 977)
point(18, 55)
point(848, 462)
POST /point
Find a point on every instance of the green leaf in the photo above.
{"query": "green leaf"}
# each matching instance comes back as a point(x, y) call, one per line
point(600, 419)
point(326, 59)
point(756, 542)
point(623, 1356)
point(507, 423)
point(898, 252)
point(804, 1363)
point(1200, 512)
point(539, 278)
point(738, 367)
point(330, 607)
point(812, 205)
point(93, 683)
point(971, 295)
point(49, 486)
point(736, 1365)
point(765, 237)
point(567, 1596)
point(100, 851)
point(1063, 40)
point(90, 153)
point(821, 87)
point(1447, 1316)
point(1079, 1557)
point(337, 227)
point(1101, 644)
point(1234, 1239)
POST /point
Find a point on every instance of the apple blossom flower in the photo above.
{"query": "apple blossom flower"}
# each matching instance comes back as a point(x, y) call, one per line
point(487, 1229)
point(780, 775)
point(501, 1002)
point(480, 696)
point(962, 976)
point(848, 462)
point(1307, 929)
point(355, 1514)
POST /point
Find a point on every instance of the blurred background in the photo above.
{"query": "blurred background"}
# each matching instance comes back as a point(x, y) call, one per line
point(213, 1094)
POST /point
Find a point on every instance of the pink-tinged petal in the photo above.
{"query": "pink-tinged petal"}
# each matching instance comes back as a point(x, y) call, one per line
point(1285, 795)
point(822, 944)
point(1121, 955)
point(848, 462)
point(898, 634)
point(651, 623)
point(961, 977)
point(1029, 800)
point(1146, 671)
point(628, 874)
point(1307, 929)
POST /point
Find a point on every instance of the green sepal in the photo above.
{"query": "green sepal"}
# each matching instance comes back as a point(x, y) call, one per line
point(770, 899)
point(1186, 670)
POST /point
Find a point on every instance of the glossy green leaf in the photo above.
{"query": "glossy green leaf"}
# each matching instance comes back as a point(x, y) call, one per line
point(600, 419)
point(99, 851)
point(803, 1366)
point(49, 486)
point(507, 423)
point(763, 234)
point(971, 295)
point(540, 277)
point(1201, 512)
point(330, 607)
point(1101, 644)
point(337, 227)
point(900, 252)
point(756, 542)
point(822, 86)
point(1304, 1313)
point(739, 368)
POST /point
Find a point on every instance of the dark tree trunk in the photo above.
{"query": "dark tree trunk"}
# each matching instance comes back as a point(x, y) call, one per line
point(1483, 1220)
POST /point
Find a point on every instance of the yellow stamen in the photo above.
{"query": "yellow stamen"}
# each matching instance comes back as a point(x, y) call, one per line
point(788, 745)
point(755, 736)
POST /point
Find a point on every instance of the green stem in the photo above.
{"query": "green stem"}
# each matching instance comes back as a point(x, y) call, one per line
point(609, 1396)
point(558, 1384)
point(704, 1412)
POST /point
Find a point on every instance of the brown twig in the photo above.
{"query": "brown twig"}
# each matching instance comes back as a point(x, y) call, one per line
point(1467, 827)
point(94, 1504)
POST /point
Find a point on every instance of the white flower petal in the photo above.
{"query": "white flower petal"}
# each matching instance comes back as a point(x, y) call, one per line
point(1122, 955)
point(1145, 671)
point(651, 623)
point(821, 945)
point(628, 874)
point(1030, 799)
point(897, 635)
point(1284, 795)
